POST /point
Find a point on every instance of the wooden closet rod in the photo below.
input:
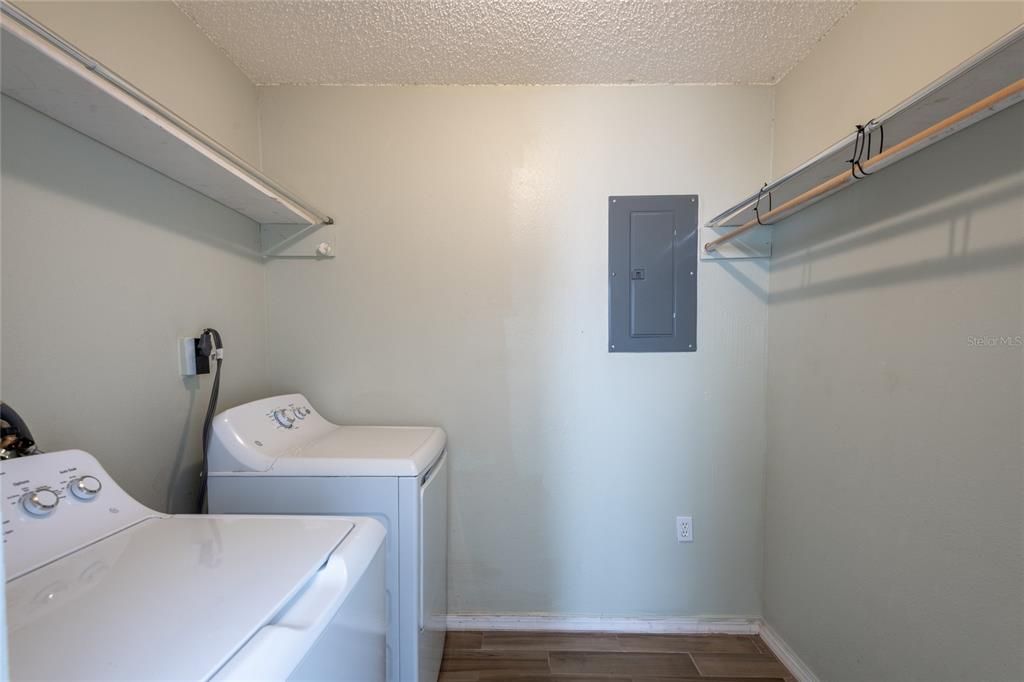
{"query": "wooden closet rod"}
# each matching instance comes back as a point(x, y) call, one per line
point(983, 108)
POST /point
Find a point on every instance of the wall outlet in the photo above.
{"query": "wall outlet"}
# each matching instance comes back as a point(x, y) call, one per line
point(684, 529)
point(191, 361)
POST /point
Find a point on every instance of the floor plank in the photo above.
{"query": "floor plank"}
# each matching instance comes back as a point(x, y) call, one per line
point(739, 665)
point(529, 677)
point(459, 676)
point(495, 661)
point(622, 663)
point(708, 679)
point(463, 640)
point(712, 644)
point(606, 657)
point(551, 641)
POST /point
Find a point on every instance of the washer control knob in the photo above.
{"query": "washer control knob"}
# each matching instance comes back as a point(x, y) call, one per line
point(283, 418)
point(85, 487)
point(40, 502)
point(300, 413)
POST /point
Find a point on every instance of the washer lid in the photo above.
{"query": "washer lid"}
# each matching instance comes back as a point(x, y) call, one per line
point(365, 451)
point(284, 436)
point(168, 598)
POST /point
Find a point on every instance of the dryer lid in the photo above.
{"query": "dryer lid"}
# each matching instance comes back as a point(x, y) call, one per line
point(365, 451)
point(167, 598)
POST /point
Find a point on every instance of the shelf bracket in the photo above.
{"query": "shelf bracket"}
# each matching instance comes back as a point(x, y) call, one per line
point(755, 243)
point(290, 241)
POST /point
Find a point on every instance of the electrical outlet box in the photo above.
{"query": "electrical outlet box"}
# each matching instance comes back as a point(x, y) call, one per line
point(187, 356)
point(684, 529)
point(192, 363)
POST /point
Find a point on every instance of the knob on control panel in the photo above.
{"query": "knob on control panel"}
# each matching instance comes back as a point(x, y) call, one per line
point(40, 502)
point(284, 419)
point(85, 487)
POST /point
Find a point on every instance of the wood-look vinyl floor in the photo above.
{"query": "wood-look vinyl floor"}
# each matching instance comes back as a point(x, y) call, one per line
point(607, 657)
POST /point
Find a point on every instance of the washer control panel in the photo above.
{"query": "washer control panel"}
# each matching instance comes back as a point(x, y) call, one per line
point(55, 502)
point(41, 501)
point(251, 437)
point(85, 487)
point(289, 416)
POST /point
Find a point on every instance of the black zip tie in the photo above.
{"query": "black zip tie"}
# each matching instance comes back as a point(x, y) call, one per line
point(881, 138)
point(853, 157)
point(881, 146)
point(760, 193)
point(856, 152)
point(862, 141)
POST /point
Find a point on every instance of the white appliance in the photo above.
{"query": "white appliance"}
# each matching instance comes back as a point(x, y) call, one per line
point(102, 588)
point(278, 455)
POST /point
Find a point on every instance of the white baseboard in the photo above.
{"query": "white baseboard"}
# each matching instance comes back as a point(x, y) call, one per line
point(559, 623)
point(801, 671)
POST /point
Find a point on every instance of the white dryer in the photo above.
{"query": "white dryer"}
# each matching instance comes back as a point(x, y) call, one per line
point(103, 588)
point(279, 456)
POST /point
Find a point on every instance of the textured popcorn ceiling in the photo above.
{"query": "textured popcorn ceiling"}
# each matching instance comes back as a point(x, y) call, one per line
point(514, 41)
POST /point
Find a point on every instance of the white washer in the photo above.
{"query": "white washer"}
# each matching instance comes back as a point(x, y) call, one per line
point(103, 588)
point(278, 455)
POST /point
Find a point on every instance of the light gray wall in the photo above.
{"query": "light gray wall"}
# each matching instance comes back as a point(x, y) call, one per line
point(105, 263)
point(470, 291)
point(895, 472)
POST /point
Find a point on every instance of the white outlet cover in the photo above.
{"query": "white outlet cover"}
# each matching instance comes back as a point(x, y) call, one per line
point(684, 529)
point(187, 356)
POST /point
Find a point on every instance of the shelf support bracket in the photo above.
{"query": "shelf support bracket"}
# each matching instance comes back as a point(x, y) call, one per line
point(288, 241)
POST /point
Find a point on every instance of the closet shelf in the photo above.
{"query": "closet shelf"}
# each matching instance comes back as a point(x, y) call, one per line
point(45, 72)
point(990, 81)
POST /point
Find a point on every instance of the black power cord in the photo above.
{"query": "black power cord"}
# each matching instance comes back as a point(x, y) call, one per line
point(210, 346)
